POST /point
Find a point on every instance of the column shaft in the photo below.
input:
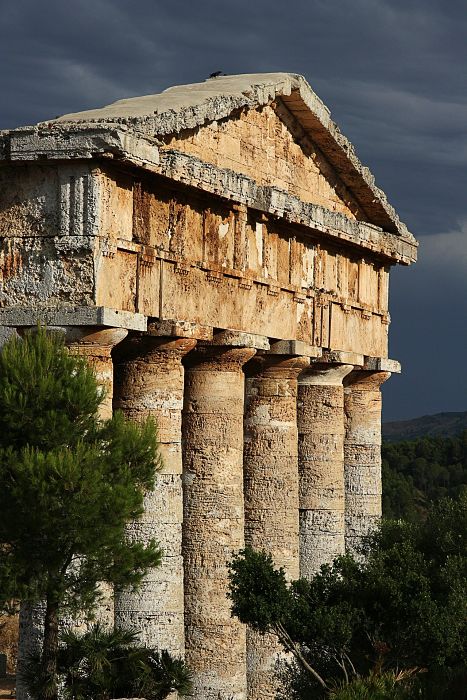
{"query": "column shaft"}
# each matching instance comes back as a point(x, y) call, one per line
point(213, 526)
point(321, 465)
point(362, 452)
point(271, 490)
point(149, 382)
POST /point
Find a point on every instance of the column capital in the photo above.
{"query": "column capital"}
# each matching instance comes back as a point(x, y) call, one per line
point(147, 347)
point(294, 347)
point(101, 337)
point(220, 357)
point(365, 380)
point(239, 339)
point(97, 340)
point(319, 374)
point(285, 366)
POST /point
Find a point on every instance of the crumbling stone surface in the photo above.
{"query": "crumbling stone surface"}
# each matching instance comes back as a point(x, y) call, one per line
point(90, 232)
point(190, 106)
point(271, 489)
point(149, 383)
point(96, 346)
point(213, 518)
point(362, 454)
point(321, 433)
point(293, 165)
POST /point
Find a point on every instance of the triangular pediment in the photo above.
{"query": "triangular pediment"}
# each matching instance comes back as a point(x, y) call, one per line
point(182, 109)
point(268, 145)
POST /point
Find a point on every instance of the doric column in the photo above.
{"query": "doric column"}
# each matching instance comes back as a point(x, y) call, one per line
point(149, 382)
point(213, 525)
point(321, 465)
point(96, 345)
point(271, 489)
point(362, 452)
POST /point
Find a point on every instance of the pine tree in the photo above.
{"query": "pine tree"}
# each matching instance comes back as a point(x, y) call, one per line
point(69, 483)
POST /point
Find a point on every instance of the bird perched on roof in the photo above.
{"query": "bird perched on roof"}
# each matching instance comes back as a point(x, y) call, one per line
point(216, 74)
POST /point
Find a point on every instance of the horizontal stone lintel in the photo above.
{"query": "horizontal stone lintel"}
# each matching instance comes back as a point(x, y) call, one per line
point(294, 347)
point(11, 318)
point(78, 316)
point(343, 357)
point(31, 143)
point(382, 364)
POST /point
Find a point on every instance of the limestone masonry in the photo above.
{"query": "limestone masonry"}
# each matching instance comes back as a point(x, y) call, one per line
point(222, 257)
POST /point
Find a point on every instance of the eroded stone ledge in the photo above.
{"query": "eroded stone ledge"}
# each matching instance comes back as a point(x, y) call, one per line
point(77, 316)
point(29, 143)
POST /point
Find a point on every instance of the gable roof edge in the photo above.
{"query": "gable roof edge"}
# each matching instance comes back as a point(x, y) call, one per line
point(191, 106)
point(309, 110)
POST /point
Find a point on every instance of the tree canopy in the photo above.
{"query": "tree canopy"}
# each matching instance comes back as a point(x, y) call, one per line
point(418, 472)
point(69, 483)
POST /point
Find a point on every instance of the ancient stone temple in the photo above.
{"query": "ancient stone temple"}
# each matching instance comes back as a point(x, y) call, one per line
point(222, 257)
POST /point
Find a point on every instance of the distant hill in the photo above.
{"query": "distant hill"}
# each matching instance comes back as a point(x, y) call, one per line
point(439, 424)
point(422, 470)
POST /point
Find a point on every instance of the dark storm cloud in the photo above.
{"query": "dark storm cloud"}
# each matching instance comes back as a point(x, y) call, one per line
point(429, 312)
point(392, 72)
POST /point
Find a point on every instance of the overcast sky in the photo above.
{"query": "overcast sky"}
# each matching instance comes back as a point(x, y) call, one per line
point(393, 73)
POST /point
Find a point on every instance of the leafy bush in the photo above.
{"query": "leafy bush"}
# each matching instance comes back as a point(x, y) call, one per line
point(402, 606)
point(101, 664)
point(384, 686)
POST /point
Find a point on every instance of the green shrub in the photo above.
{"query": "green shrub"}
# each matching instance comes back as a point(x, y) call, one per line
point(101, 664)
